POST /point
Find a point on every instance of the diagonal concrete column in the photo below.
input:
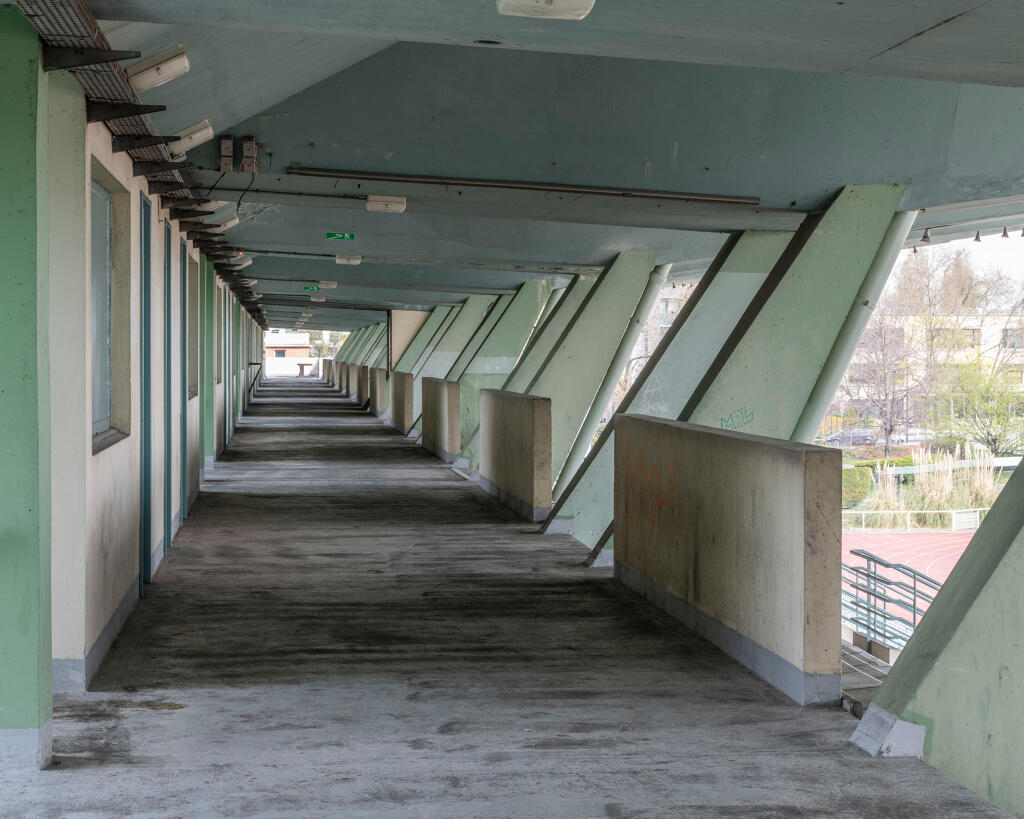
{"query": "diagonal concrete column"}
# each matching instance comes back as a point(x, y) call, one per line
point(675, 368)
point(768, 359)
point(482, 332)
point(572, 373)
point(558, 314)
point(26, 699)
point(497, 356)
point(438, 360)
point(953, 695)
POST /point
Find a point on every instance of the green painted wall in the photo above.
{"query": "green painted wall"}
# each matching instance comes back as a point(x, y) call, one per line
point(479, 337)
point(960, 675)
point(25, 655)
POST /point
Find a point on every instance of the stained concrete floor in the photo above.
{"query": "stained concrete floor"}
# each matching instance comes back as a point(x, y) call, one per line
point(345, 627)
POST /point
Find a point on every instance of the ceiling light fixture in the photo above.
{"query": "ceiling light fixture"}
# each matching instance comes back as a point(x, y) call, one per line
point(317, 297)
point(343, 259)
point(158, 69)
point(550, 9)
point(191, 137)
point(386, 204)
point(328, 285)
point(240, 265)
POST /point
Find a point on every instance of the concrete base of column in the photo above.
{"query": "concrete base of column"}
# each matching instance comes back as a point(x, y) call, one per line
point(24, 749)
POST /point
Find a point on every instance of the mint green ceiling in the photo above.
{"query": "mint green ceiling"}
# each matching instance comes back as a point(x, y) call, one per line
point(686, 97)
point(950, 40)
point(236, 73)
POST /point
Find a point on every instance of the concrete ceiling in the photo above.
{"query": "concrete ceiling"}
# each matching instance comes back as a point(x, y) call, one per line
point(549, 154)
point(948, 40)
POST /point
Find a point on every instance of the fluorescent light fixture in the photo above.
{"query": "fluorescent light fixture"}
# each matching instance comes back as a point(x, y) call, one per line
point(328, 285)
point(341, 258)
point(386, 204)
point(317, 297)
point(158, 69)
point(188, 139)
point(227, 224)
point(257, 295)
point(249, 282)
point(551, 9)
point(241, 265)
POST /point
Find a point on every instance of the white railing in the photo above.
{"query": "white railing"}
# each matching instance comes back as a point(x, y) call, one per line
point(960, 520)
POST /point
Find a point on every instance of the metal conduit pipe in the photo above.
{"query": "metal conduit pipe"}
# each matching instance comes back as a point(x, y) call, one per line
point(849, 334)
point(581, 445)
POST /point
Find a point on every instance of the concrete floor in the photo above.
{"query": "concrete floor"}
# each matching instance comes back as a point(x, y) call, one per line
point(345, 627)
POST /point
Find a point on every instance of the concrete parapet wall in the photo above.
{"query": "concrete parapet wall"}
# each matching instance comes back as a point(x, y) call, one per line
point(441, 422)
point(515, 451)
point(402, 408)
point(738, 536)
point(352, 380)
point(363, 384)
point(378, 390)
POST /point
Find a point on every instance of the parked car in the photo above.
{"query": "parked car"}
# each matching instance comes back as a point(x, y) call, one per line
point(914, 435)
point(852, 436)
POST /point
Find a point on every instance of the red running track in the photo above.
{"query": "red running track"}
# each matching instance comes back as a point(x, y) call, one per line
point(933, 553)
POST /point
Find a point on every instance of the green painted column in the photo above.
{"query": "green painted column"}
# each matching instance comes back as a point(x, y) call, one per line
point(495, 359)
point(674, 370)
point(26, 700)
point(207, 365)
point(953, 696)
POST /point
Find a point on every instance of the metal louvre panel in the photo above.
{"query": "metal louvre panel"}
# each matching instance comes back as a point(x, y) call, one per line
point(70, 24)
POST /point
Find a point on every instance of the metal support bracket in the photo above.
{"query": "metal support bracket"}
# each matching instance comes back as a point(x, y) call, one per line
point(56, 57)
point(106, 110)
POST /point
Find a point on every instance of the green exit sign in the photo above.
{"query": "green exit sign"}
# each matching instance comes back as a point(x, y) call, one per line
point(347, 236)
point(311, 287)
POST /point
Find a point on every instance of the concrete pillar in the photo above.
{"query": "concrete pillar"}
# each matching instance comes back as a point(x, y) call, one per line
point(26, 700)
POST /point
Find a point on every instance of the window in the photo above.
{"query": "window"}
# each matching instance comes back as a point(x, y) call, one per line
point(1014, 376)
point(218, 334)
point(100, 265)
point(278, 353)
point(1013, 338)
point(193, 329)
point(956, 338)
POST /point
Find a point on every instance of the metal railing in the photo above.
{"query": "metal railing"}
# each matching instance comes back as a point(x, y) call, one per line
point(960, 520)
point(885, 601)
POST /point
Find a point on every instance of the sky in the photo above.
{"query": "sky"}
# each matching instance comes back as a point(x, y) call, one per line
point(991, 252)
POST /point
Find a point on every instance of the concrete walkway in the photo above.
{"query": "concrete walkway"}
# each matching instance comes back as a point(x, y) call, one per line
point(345, 627)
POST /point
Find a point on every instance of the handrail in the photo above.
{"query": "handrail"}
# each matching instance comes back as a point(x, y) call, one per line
point(885, 608)
point(259, 369)
point(909, 513)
